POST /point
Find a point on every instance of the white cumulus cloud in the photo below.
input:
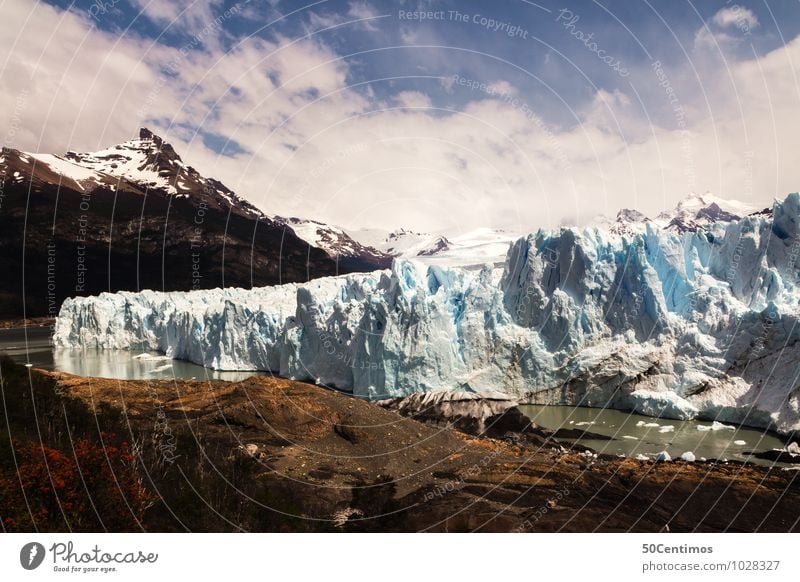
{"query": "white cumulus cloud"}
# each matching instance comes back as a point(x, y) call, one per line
point(737, 16)
point(313, 146)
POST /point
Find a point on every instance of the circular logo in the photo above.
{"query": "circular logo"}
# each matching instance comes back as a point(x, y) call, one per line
point(31, 555)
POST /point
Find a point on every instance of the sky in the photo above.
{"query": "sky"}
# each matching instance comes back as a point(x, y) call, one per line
point(426, 115)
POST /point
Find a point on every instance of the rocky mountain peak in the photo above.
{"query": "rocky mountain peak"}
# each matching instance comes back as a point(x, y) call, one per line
point(154, 144)
point(631, 215)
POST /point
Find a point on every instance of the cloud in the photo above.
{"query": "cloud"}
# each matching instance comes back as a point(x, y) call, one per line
point(188, 17)
point(705, 39)
point(313, 145)
point(79, 86)
point(738, 16)
point(730, 24)
point(366, 13)
point(502, 88)
point(413, 99)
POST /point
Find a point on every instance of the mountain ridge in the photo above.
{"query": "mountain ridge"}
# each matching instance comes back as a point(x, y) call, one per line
point(134, 216)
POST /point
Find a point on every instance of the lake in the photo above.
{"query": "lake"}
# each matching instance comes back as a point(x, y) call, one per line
point(632, 434)
point(32, 346)
point(635, 434)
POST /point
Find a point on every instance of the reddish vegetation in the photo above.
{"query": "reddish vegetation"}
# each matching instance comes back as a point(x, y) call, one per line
point(268, 454)
point(90, 487)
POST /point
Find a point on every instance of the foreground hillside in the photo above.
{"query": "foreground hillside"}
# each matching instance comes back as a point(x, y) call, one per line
point(269, 454)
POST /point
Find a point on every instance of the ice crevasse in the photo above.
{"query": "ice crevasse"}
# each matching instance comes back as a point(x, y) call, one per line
point(699, 324)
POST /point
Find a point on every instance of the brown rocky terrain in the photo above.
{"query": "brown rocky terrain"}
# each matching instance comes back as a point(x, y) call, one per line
point(28, 322)
point(271, 454)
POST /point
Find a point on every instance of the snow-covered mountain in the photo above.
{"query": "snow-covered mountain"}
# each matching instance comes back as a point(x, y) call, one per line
point(333, 240)
point(627, 221)
point(474, 247)
point(698, 211)
point(398, 243)
point(680, 324)
point(136, 216)
point(148, 163)
point(692, 213)
point(152, 164)
point(479, 246)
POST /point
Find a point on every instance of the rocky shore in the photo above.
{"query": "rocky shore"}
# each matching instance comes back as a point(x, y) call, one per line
point(269, 454)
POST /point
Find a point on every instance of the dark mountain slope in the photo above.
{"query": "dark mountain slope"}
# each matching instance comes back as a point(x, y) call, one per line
point(136, 217)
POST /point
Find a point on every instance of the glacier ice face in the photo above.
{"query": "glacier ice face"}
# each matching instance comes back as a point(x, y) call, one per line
point(682, 325)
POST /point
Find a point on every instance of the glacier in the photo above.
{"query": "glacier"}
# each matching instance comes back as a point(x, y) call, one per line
point(696, 324)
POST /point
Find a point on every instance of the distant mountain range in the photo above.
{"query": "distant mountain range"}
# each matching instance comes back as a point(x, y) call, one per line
point(472, 247)
point(135, 216)
point(691, 214)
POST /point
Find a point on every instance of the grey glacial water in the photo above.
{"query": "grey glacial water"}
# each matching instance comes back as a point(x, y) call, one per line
point(129, 366)
point(33, 347)
point(635, 434)
point(632, 434)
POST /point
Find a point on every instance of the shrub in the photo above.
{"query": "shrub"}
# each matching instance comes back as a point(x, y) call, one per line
point(93, 487)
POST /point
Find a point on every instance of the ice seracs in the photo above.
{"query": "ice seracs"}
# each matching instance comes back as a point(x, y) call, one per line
point(672, 324)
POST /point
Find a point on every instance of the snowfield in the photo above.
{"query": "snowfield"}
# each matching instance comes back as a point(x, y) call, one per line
point(672, 324)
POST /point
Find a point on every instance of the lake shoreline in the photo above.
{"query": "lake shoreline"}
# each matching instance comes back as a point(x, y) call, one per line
point(141, 366)
point(335, 463)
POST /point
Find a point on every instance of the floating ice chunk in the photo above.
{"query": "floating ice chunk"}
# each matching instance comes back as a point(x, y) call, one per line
point(647, 424)
point(585, 423)
point(667, 428)
point(715, 426)
point(663, 456)
point(630, 438)
point(152, 357)
point(641, 457)
point(739, 443)
point(688, 456)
